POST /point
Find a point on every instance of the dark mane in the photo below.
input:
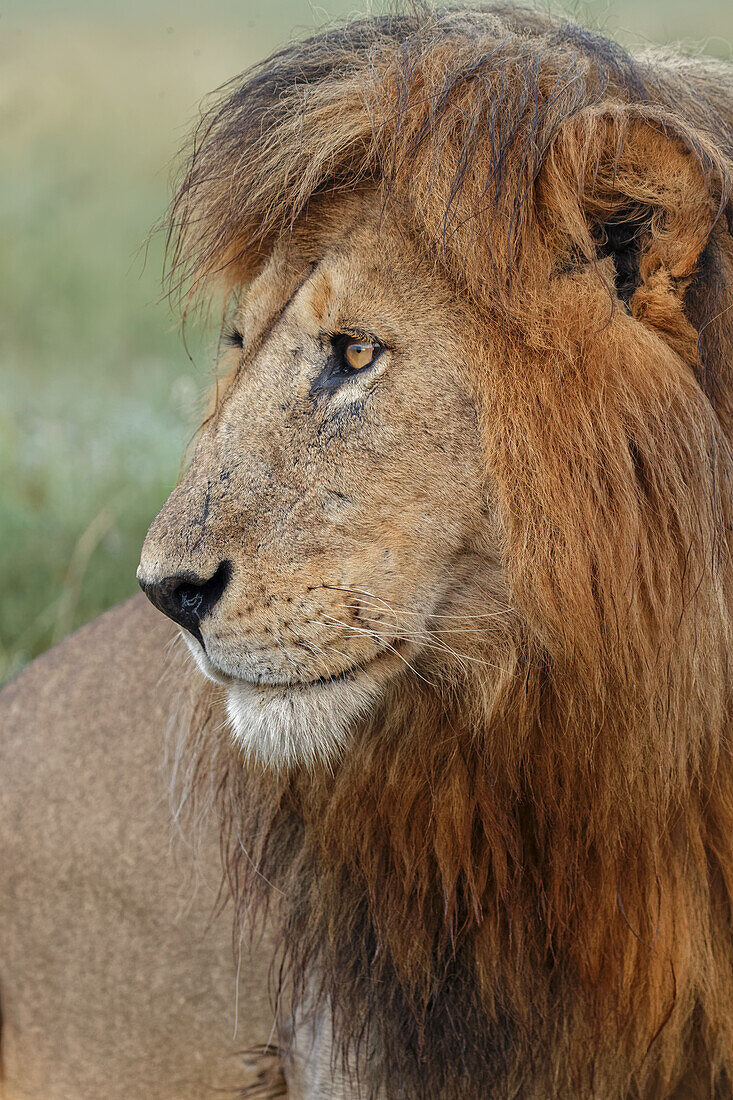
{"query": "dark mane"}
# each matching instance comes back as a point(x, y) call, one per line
point(383, 99)
point(529, 886)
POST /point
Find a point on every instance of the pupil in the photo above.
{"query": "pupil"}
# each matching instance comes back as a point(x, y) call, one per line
point(360, 355)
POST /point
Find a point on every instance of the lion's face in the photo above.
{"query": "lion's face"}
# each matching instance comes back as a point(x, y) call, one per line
point(335, 502)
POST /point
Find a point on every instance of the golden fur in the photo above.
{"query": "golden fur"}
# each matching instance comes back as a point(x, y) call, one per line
point(510, 874)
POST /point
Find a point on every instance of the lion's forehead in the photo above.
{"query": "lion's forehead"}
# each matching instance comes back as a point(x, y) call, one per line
point(359, 263)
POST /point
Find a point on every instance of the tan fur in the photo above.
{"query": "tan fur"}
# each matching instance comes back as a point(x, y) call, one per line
point(117, 976)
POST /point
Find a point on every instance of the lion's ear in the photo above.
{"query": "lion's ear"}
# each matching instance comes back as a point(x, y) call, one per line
point(622, 185)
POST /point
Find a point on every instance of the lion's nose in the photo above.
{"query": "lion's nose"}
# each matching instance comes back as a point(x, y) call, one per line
point(186, 598)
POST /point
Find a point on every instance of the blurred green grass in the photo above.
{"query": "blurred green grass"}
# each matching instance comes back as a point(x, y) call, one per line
point(99, 396)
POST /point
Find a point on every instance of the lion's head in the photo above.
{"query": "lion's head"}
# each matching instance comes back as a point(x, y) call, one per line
point(332, 529)
point(446, 351)
point(457, 527)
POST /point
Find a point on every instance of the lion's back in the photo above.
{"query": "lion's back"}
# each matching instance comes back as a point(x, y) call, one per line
point(112, 980)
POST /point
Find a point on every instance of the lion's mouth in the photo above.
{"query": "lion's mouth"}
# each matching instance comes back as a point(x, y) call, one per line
point(346, 675)
point(306, 685)
point(271, 683)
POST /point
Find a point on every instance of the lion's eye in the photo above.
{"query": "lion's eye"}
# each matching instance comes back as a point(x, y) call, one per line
point(350, 355)
point(359, 356)
point(355, 355)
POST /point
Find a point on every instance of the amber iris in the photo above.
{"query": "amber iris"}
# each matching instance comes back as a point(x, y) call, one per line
point(359, 356)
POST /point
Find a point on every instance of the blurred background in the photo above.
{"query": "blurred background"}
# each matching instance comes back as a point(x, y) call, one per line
point(99, 394)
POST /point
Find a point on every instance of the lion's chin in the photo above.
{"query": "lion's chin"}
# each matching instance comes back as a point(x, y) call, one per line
point(295, 726)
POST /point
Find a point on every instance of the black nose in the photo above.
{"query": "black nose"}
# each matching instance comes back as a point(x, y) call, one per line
point(186, 598)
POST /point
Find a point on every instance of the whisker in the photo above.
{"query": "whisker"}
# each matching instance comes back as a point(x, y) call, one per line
point(339, 652)
point(433, 629)
point(314, 651)
point(356, 592)
point(378, 637)
point(405, 609)
point(428, 640)
point(437, 643)
point(443, 647)
point(489, 616)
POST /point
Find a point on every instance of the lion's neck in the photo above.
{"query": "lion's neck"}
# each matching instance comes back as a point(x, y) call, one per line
point(465, 911)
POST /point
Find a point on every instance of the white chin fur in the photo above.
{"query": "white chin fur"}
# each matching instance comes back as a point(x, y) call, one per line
point(289, 727)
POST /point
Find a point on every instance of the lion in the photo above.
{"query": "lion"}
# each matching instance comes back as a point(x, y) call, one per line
point(452, 560)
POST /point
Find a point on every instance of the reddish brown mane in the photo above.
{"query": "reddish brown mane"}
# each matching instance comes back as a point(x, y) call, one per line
point(527, 883)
